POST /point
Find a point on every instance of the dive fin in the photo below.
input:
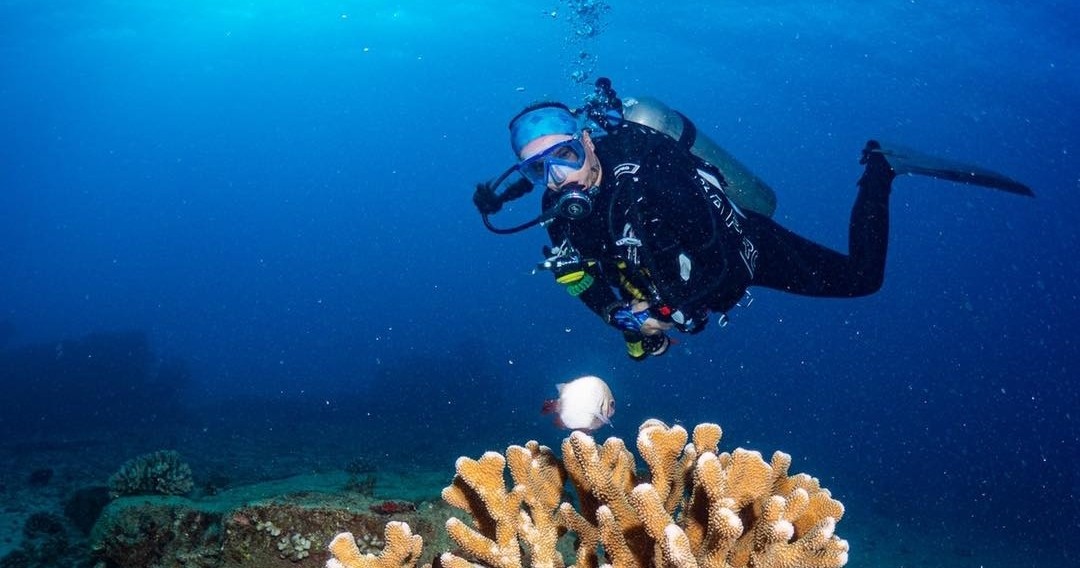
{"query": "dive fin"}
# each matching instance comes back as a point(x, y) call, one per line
point(907, 161)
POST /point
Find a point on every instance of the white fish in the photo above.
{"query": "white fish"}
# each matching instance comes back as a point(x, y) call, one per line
point(584, 403)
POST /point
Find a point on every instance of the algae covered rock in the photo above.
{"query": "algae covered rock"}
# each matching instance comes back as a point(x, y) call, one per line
point(157, 532)
point(276, 524)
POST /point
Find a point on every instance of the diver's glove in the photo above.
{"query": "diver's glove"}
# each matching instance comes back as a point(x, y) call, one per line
point(485, 199)
point(639, 347)
point(693, 324)
point(488, 202)
point(656, 344)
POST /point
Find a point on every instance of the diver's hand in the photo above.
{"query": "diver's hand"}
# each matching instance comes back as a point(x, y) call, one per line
point(640, 347)
point(486, 200)
point(651, 325)
point(635, 318)
point(657, 344)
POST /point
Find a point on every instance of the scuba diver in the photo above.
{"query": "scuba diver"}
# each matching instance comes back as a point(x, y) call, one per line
point(654, 227)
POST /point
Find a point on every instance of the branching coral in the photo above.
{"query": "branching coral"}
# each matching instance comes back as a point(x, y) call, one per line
point(695, 507)
point(402, 550)
point(157, 473)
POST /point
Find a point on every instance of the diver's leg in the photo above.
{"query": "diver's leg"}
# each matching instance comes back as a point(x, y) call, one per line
point(794, 264)
point(868, 229)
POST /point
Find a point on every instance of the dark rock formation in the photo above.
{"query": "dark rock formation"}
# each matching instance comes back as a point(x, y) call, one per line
point(85, 505)
point(40, 477)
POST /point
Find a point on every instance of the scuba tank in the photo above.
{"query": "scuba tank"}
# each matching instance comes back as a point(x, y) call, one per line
point(743, 187)
point(604, 109)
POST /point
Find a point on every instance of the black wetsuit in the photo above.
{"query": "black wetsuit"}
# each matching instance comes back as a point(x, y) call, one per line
point(663, 230)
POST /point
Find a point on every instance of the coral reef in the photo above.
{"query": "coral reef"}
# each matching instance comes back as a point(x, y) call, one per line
point(694, 507)
point(157, 534)
point(295, 547)
point(282, 523)
point(157, 473)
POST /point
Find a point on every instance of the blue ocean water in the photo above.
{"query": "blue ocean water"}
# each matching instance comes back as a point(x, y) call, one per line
point(269, 204)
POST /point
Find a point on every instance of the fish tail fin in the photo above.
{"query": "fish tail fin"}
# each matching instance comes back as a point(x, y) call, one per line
point(550, 406)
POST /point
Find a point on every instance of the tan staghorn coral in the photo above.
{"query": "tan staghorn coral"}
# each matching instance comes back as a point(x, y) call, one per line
point(695, 507)
point(402, 550)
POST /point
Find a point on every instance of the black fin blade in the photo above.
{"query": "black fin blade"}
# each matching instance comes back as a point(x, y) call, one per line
point(907, 161)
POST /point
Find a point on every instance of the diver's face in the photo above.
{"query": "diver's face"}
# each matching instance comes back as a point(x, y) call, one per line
point(588, 175)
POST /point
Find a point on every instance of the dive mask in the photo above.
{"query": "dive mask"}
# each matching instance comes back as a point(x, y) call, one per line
point(573, 202)
point(554, 164)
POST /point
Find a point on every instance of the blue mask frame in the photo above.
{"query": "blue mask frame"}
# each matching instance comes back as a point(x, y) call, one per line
point(554, 163)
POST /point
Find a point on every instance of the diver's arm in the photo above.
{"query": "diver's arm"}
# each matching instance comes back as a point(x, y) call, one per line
point(586, 281)
point(591, 288)
point(582, 277)
point(642, 333)
point(652, 326)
